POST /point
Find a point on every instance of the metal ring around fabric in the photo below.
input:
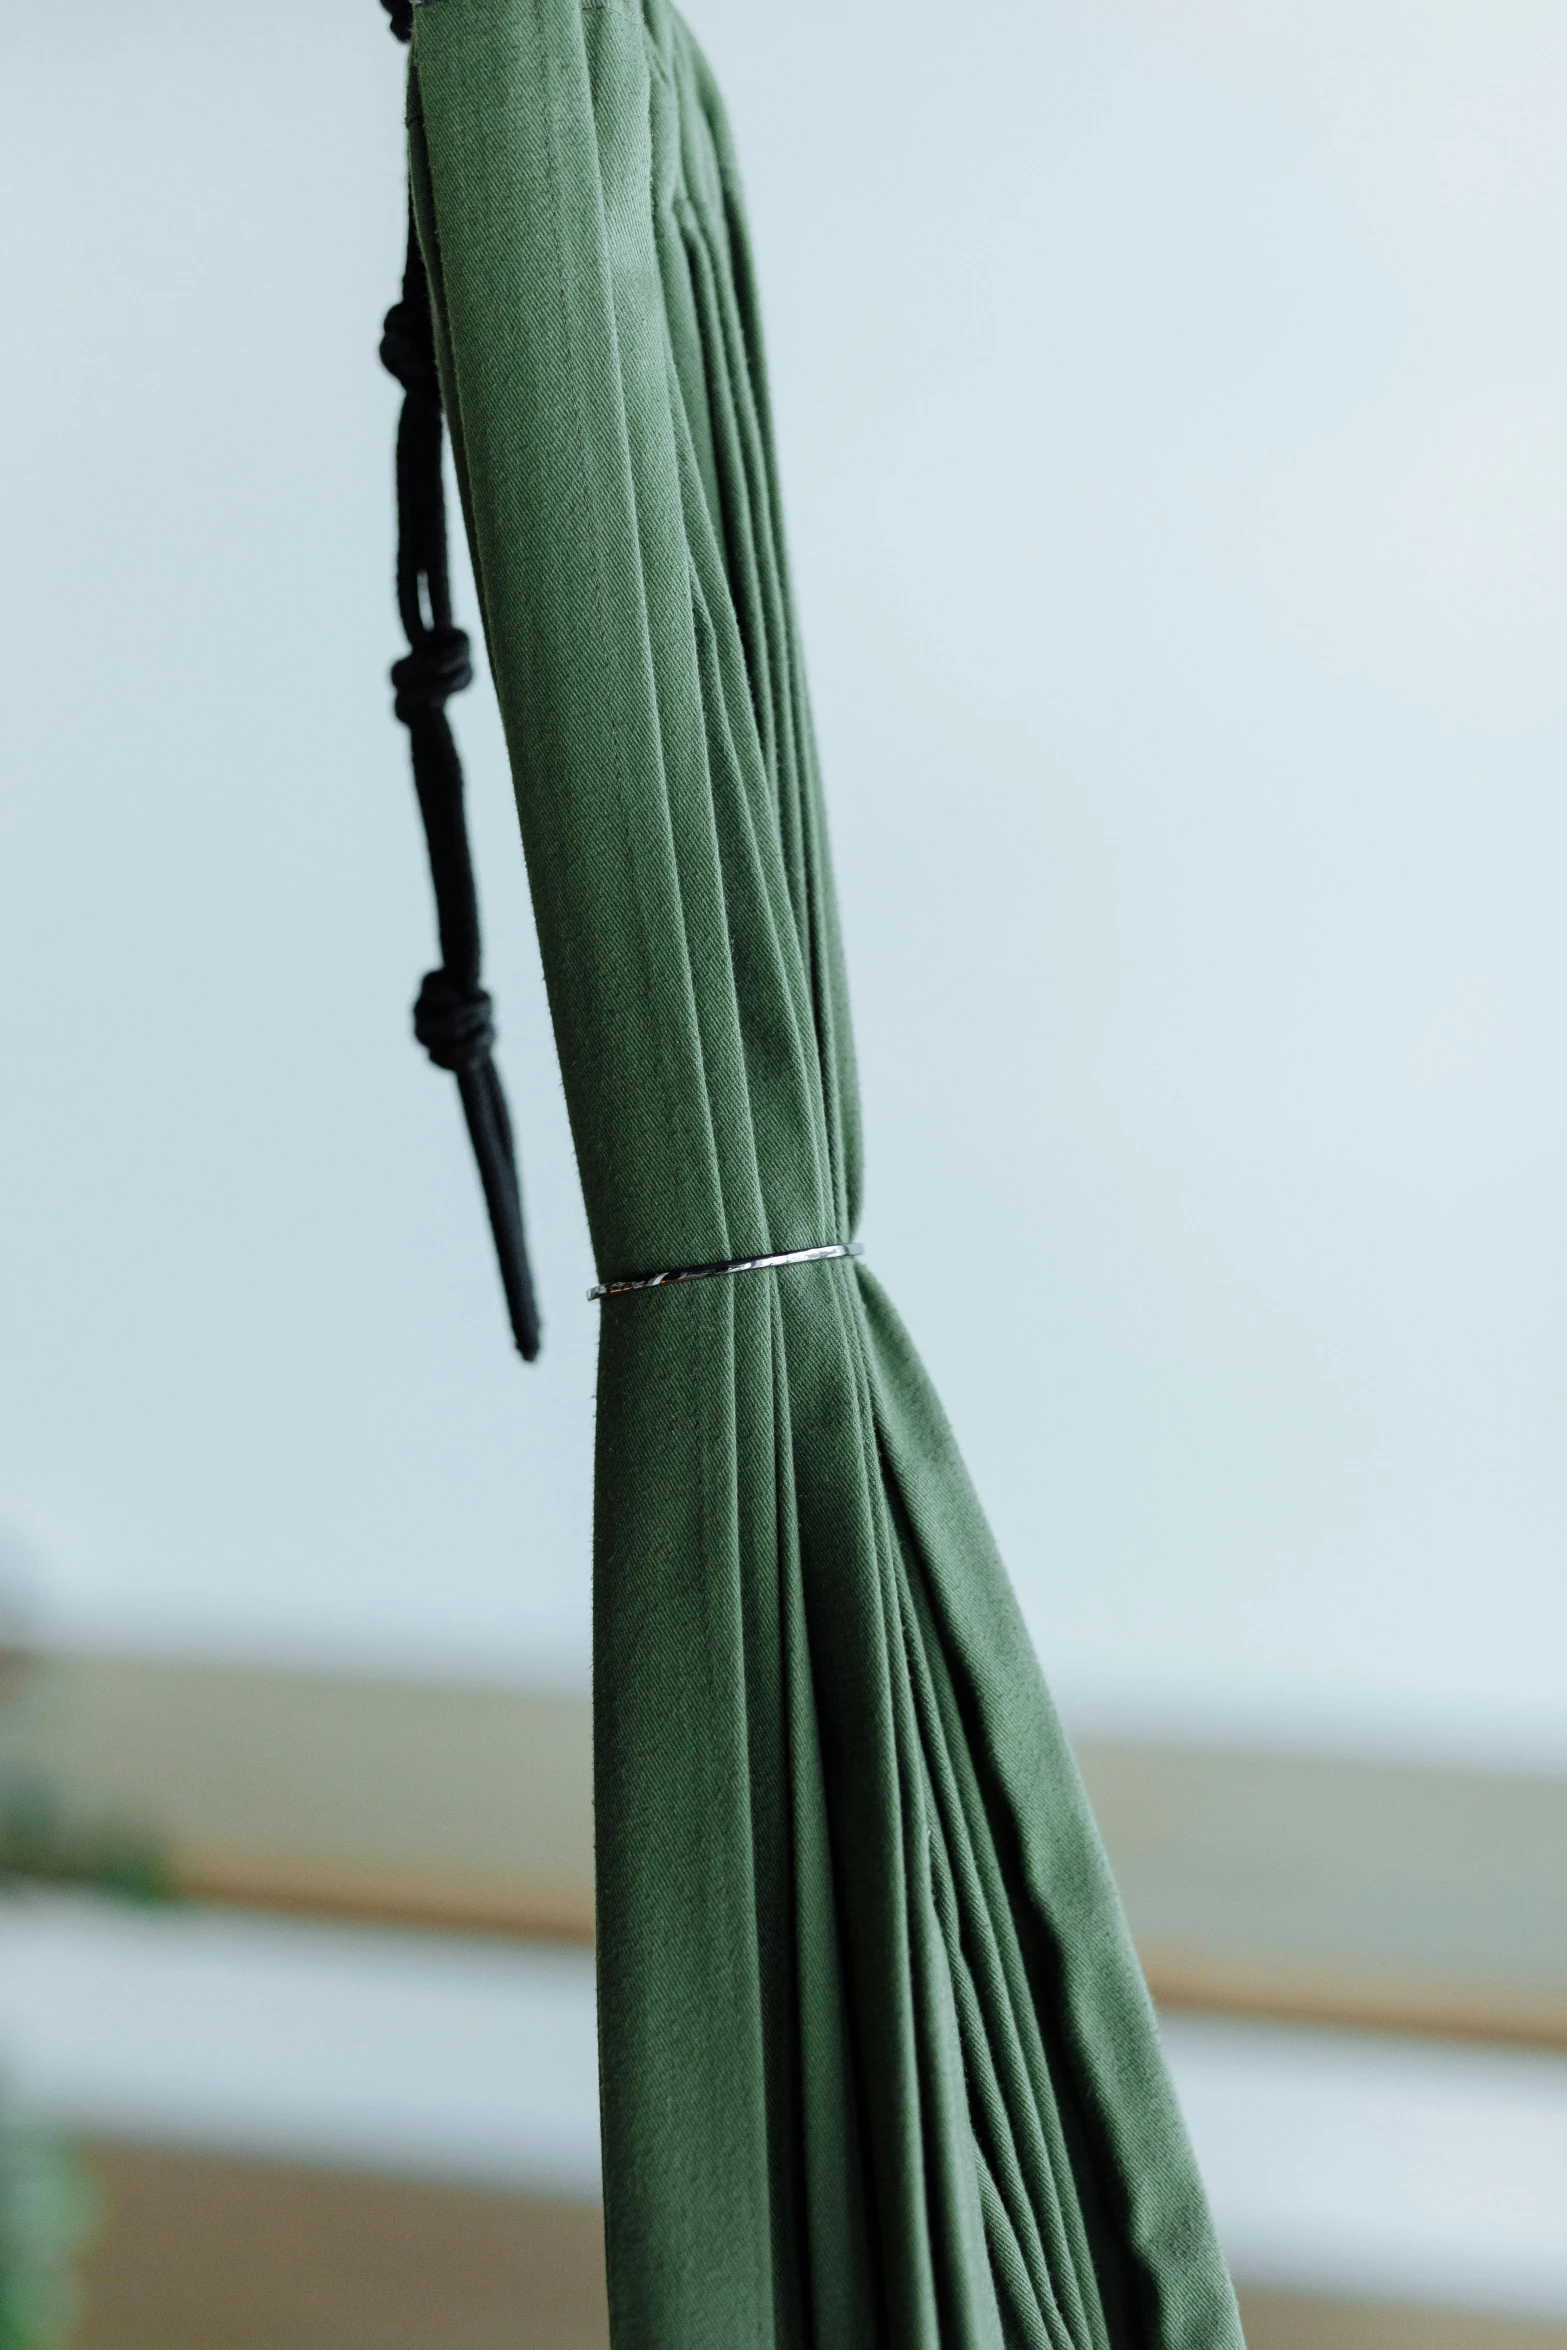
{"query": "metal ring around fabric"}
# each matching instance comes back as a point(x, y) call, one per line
point(787, 1256)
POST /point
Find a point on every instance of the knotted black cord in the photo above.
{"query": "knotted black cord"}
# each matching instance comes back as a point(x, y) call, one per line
point(452, 1017)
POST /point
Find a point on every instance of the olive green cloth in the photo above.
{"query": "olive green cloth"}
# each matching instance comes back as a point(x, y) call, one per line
point(878, 2067)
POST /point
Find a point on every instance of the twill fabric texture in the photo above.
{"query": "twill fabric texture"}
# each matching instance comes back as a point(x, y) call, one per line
point(878, 2069)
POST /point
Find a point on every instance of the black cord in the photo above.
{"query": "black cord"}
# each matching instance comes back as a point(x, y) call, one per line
point(453, 1015)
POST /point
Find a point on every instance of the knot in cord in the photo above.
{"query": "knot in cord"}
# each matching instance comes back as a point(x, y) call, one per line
point(401, 13)
point(452, 1018)
point(455, 1024)
point(430, 672)
point(406, 351)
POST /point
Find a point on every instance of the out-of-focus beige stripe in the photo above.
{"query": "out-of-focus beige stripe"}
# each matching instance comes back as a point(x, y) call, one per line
point(1220, 1982)
point(453, 1901)
point(1303, 2321)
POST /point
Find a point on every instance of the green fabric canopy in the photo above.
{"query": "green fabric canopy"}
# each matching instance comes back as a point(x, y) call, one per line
point(878, 2066)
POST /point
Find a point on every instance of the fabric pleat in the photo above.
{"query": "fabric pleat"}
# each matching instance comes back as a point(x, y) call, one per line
point(878, 2068)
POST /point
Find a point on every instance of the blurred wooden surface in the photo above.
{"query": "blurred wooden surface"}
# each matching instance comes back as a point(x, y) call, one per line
point(1303, 1887)
point(1326, 1890)
point(205, 2252)
point(1299, 2321)
point(467, 1807)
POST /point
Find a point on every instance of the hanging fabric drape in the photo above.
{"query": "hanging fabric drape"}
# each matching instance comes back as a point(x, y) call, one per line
point(878, 2068)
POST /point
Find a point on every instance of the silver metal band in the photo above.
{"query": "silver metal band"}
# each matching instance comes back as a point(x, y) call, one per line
point(787, 1256)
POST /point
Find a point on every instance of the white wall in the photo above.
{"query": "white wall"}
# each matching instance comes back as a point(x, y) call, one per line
point(258, 1386)
point(1175, 433)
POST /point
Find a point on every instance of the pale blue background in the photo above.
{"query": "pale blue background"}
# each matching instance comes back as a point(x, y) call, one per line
point(1173, 407)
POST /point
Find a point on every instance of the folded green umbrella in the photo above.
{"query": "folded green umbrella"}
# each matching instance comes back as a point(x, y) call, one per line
point(878, 2066)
